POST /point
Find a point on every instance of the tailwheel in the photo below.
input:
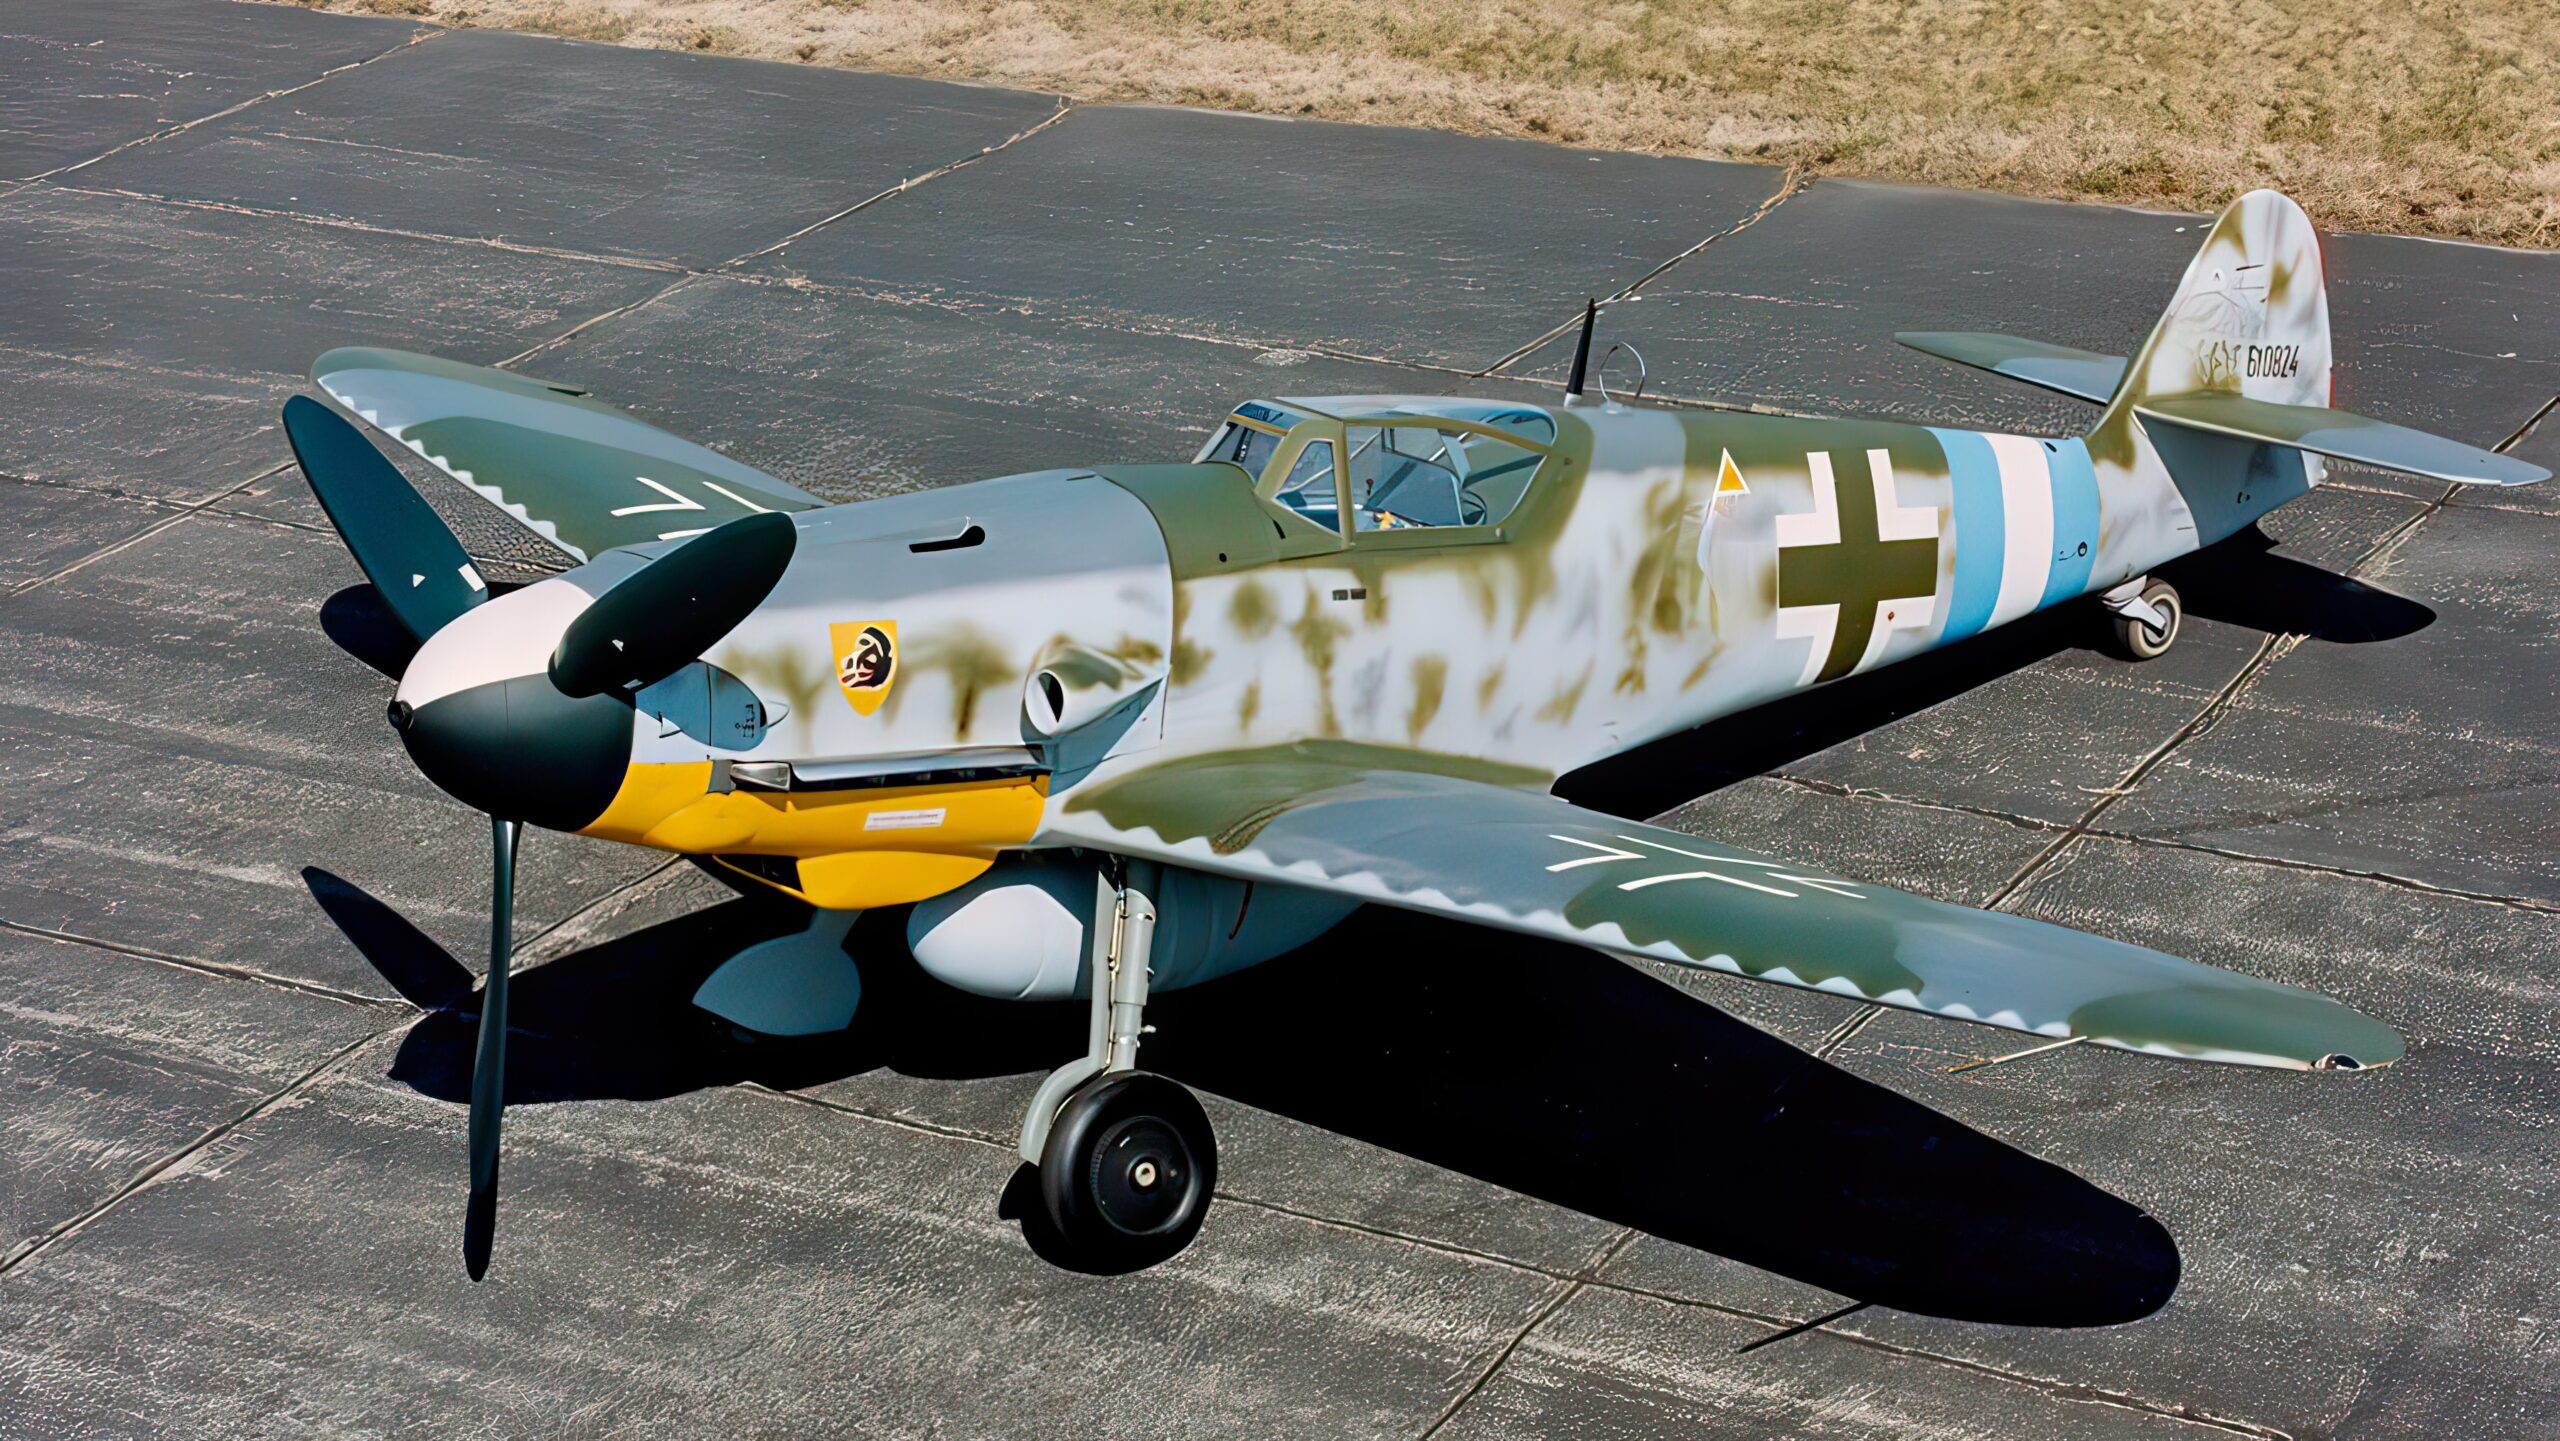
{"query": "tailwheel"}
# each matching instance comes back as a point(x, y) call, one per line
point(2140, 636)
point(1127, 1170)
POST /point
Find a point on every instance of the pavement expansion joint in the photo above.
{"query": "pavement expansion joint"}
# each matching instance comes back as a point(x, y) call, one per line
point(1224, 1196)
point(1389, 1233)
point(1801, 1327)
point(336, 222)
point(729, 269)
point(1789, 184)
point(150, 1175)
point(1869, 793)
point(2044, 1385)
point(2265, 655)
point(1547, 1307)
point(2274, 648)
point(184, 510)
point(222, 969)
point(1065, 108)
point(2139, 838)
point(598, 905)
point(2380, 878)
point(183, 126)
point(865, 1113)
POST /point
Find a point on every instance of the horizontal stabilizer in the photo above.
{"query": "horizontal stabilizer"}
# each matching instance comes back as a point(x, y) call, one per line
point(2340, 436)
point(2080, 374)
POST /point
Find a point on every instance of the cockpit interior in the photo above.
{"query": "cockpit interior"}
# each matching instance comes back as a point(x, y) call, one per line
point(1388, 464)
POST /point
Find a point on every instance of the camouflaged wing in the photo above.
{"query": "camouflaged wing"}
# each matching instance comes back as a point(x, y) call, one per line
point(1522, 861)
point(575, 471)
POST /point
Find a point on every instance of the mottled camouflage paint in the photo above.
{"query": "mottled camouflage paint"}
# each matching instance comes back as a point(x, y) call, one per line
point(1378, 714)
point(1627, 599)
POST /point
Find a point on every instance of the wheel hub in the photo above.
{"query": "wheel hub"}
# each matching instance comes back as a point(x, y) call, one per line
point(1141, 1176)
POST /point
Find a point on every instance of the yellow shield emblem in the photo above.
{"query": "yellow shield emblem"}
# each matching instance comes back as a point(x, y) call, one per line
point(866, 661)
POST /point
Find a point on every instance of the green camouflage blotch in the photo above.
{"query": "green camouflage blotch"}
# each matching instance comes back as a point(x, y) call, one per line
point(1567, 699)
point(1227, 797)
point(2287, 1022)
point(1761, 933)
point(1252, 611)
point(1430, 679)
point(1189, 656)
point(974, 660)
point(785, 670)
point(1317, 634)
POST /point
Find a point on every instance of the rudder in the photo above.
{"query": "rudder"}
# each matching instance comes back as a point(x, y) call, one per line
point(2250, 319)
point(2250, 316)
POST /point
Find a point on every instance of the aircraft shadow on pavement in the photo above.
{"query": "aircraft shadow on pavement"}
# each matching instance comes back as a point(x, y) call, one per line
point(1544, 1068)
point(2239, 581)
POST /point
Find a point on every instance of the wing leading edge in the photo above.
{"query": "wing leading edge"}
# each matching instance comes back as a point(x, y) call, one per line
point(2080, 374)
point(575, 471)
point(1356, 821)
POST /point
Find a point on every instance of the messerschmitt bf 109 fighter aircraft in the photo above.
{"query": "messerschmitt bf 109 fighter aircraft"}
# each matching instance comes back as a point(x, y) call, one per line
point(1116, 729)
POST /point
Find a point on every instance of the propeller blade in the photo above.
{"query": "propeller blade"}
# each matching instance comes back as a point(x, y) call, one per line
point(395, 536)
point(489, 1062)
point(664, 615)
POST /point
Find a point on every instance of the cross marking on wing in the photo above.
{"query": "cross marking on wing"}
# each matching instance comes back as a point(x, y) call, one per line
point(1778, 870)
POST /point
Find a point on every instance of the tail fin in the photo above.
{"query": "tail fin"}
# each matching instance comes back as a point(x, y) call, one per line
point(2230, 394)
point(2249, 322)
point(2232, 389)
point(2250, 318)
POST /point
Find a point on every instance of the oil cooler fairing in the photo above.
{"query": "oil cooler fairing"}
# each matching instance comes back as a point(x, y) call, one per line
point(1023, 930)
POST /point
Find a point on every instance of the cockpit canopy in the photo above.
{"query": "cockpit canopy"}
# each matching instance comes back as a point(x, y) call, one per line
point(1390, 463)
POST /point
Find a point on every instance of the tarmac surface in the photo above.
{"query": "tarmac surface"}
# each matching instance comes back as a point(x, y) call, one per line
point(1471, 1187)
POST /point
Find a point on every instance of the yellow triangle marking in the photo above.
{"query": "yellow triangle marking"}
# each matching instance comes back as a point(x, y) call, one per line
point(1729, 479)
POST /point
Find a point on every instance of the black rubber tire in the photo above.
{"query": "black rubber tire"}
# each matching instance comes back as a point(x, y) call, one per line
point(2134, 640)
point(1128, 1170)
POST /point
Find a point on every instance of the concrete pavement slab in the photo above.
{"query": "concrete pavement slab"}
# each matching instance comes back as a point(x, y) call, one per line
point(2431, 755)
point(1799, 311)
point(182, 739)
point(46, 527)
point(726, 1263)
point(2350, 1241)
point(1406, 1194)
point(149, 345)
point(1407, 244)
point(571, 145)
point(855, 398)
point(1608, 1365)
point(110, 1063)
point(79, 80)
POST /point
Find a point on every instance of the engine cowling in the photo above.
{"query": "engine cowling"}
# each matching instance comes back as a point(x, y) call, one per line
point(1021, 932)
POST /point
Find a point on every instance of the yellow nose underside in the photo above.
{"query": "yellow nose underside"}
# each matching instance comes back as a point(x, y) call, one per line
point(857, 849)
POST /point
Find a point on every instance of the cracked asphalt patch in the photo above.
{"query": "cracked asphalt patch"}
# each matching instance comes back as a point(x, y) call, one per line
point(231, 1158)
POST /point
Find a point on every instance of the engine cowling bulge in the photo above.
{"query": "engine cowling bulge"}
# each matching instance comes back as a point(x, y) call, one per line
point(1021, 932)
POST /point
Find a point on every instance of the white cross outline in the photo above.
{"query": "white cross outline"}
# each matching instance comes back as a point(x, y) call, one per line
point(1777, 870)
point(674, 501)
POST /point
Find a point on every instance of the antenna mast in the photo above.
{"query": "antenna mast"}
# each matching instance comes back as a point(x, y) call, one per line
point(1582, 354)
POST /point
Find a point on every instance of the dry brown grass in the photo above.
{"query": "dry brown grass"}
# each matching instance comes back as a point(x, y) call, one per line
point(2438, 117)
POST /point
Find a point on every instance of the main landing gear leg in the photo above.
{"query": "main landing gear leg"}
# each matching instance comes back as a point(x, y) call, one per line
point(1127, 1162)
point(2143, 616)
